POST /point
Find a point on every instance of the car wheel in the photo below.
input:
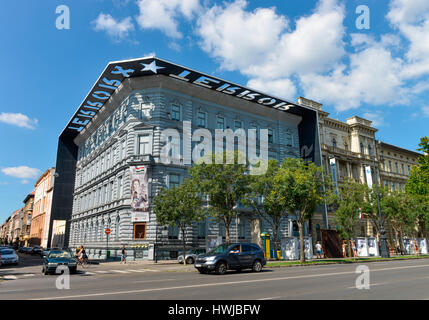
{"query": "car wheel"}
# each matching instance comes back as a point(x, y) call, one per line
point(257, 266)
point(73, 271)
point(221, 268)
point(189, 260)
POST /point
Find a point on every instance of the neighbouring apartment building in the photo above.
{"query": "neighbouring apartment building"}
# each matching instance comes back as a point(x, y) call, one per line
point(348, 148)
point(41, 218)
point(111, 151)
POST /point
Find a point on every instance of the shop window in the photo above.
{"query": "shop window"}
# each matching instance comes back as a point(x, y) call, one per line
point(140, 230)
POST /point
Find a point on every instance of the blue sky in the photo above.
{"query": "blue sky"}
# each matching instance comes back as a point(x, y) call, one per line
point(286, 48)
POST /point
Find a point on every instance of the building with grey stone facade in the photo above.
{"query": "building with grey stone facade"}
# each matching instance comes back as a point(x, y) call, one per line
point(110, 164)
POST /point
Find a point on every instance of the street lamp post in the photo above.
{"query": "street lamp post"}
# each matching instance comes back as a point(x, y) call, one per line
point(383, 241)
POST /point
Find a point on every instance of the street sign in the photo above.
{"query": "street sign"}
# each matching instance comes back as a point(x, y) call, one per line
point(107, 231)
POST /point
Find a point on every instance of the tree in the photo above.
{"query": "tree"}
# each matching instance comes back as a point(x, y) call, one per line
point(179, 206)
point(267, 199)
point(351, 200)
point(224, 184)
point(302, 185)
point(418, 182)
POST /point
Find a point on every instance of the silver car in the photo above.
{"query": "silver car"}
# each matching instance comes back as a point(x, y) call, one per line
point(191, 256)
point(8, 256)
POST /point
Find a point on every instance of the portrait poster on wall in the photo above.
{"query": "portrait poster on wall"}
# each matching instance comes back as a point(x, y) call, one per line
point(139, 193)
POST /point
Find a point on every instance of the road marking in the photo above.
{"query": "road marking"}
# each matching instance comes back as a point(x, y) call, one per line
point(220, 283)
point(269, 298)
point(133, 270)
point(151, 270)
point(29, 275)
point(10, 277)
point(119, 271)
point(89, 273)
point(144, 281)
point(101, 271)
point(371, 285)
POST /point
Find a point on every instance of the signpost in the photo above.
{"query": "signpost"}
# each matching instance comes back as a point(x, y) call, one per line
point(107, 231)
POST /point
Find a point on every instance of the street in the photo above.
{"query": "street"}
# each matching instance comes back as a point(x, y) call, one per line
point(407, 279)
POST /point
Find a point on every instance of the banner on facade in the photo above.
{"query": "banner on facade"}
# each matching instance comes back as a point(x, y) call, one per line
point(333, 165)
point(368, 176)
point(139, 191)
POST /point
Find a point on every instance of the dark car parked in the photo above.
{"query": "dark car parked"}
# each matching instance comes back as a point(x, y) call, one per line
point(36, 250)
point(235, 256)
point(57, 258)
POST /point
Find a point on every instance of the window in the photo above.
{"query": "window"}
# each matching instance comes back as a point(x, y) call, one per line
point(119, 188)
point(409, 170)
point(106, 194)
point(247, 248)
point(334, 142)
point(111, 191)
point(173, 232)
point(117, 228)
point(143, 147)
point(238, 124)
point(346, 146)
point(175, 113)
point(271, 136)
point(390, 166)
point(369, 150)
point(385, 184)
point(403, 168)
point(220, 122)
point(201, 119)
point(140, 230)
point(145, 111)
point(361, 148)
point(174, 180)
point(202, 230)
point(396, 167)
point(241, 230)
point(222, 231)
point(393, 186)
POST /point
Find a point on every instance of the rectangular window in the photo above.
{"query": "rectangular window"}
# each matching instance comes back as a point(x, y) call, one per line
point(119, 196)
point(143, 147)
point(241, 230)
point(390, 166)
point(220, 122)
point(202, 230)
point(124, 150)
point(145, 112)
point(238, 124)
point(271, 136)
point(175, 113)
point(201, 119)
point(173, 232)
point(111, 191)
point(393, 186)
point(403, 168)
point(409, 170)
point(106, 194)
point(100, 195)
point(140, 230)
point(396, 167)
point(174, 180)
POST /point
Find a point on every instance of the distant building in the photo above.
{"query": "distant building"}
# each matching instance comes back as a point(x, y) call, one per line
point(26, 221)
point(41, 218)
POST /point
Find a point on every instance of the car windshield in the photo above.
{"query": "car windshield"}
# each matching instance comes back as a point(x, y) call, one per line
point(6, 251)
point(219, 249)
point(59, 254)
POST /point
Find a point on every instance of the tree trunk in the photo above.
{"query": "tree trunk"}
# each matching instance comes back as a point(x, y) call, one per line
point(275, 231)
point(301, 242)
point(401, 241)
point(227, 224)
point(184, 246)
point(350, 249)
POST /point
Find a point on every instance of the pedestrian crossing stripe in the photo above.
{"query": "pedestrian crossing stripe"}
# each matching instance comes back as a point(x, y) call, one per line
point(10, 277)
point(119, 271)
point(101, 271)
point(89, 273)
point(151, 270)
point(132, 270)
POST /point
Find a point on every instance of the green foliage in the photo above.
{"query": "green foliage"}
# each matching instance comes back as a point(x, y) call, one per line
point(224, 184)
point(418, 182)
point(352, 197)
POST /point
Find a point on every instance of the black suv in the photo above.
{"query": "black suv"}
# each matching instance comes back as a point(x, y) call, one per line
point(236, 256)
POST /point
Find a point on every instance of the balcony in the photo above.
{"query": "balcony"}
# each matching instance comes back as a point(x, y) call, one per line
point(337, 150)
point(140, 159)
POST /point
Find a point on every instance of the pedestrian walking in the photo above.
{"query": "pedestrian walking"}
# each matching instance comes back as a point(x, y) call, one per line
point(344, 250)
point(319, 253)
point(354, 249)
point(416, 248)
point(123, 254)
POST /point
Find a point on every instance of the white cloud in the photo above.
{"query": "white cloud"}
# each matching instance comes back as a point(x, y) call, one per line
point(18, 119)
point(164, 15)
point(282, 88)
point(24, 181)
point(373, 77)
point(118, 30)
point(425, 110)
point(376, 117)
point(261, 44)
point(22, 172)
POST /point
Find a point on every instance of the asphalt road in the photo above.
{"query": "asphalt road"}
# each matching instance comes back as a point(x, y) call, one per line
point(407, 279)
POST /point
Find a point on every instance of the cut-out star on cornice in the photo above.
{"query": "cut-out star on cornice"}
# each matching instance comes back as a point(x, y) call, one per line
point(151, 67)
